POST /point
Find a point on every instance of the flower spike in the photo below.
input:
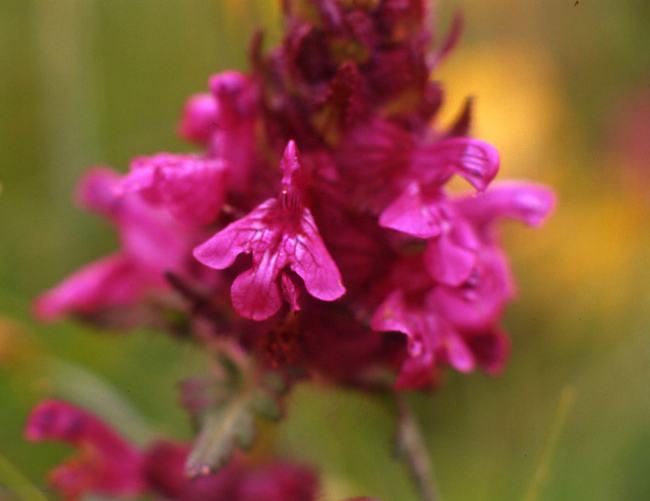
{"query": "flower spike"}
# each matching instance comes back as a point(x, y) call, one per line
point(364, 202)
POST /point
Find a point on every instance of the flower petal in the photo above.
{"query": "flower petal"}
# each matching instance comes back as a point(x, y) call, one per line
point(112, 281)
point(310, 259)
point(478, 302)
point(416, 213)
point(431, 340)
point(199, 119)
point(529, 203)
point(459, 355)
point(255, 293)
point(193, 189)
point(451, 257)
point(234, 135)
point(474, 160)
point(241, 236)
point(96, 191)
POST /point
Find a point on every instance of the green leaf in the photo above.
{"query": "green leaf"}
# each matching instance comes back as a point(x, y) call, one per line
point(223, 430)
point(226, 408)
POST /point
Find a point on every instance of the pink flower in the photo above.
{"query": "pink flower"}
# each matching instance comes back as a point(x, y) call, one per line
point(452, 317)
point(108, 465)
point(199, 120)
point(279, 233)
point(152, 243)
point(478, 301)
point(418, 211)
point(224, 122)
point(527, 202)
point(450, 258)
point(193, 189)
point(431, 340)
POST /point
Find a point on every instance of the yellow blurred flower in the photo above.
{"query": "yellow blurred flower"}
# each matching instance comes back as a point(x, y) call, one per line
point(586, 257)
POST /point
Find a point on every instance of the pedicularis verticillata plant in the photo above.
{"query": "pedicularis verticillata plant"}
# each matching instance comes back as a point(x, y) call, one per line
point(312, 237)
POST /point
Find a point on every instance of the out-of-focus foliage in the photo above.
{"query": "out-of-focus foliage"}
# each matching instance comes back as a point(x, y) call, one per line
point(557, 84)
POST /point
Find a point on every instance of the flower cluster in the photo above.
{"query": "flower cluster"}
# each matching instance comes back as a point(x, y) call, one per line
point(314, 231)
point(108, 465)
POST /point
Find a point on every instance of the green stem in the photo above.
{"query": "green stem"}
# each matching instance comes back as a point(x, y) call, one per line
point(411, 447)
point(539, 478)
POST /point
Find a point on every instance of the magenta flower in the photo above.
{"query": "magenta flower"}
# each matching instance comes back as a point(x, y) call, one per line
point(108, 465)
point(479, 300)
point(418, 212)
point(199, 119)
point(224, 122)
point(279, 232)
point(452, 318)
point(193, 189)
point(152, 243)
point(431, 340)
point(526, 202)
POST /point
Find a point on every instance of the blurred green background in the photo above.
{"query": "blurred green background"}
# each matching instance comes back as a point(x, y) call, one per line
point(562, 89)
